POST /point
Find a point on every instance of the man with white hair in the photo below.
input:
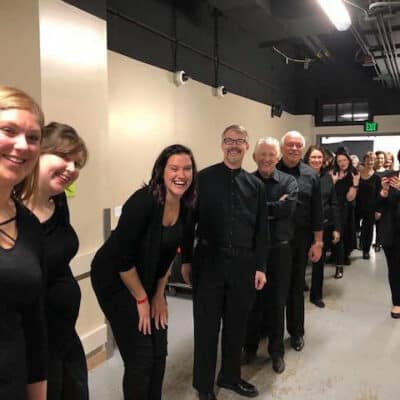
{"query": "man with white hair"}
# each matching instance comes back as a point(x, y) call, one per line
point(308, 228)
point(269, 309)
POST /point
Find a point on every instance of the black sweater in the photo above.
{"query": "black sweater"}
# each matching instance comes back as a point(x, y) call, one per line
point(136, 242)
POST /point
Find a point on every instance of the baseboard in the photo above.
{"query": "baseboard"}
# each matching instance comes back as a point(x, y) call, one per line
point(96, 357)
point(94, 339)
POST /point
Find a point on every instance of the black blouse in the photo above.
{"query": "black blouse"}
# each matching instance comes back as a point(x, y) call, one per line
point(22, 329)
point(63, 293)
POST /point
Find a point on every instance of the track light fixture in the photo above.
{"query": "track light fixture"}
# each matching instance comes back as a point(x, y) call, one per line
point(337, 13)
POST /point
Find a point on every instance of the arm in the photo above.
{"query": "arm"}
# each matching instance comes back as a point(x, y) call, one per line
point(159, 309)
point(334, 204)
point(352, 192)
point(317, 222)
point(284, 208)
point(37, 390)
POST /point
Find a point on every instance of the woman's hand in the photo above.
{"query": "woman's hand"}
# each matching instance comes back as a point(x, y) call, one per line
point(159, 311)
point(335, 237)
point(144, 317)
point(395, 182)
point(356, 179)
point(385, 182)
point(335, 177)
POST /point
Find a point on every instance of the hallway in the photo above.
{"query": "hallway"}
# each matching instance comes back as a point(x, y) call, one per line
point(352, 347)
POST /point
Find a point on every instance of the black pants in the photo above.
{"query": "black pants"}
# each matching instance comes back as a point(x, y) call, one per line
point(268, 312)
point(392, 254)
point(295, 304)
point(223, 289)
point(144, 356)
point(317, 276)
point(67, 372)
point(367, 230)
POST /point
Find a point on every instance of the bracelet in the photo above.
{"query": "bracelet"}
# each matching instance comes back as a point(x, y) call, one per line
point(142, 301)
point(355, 186)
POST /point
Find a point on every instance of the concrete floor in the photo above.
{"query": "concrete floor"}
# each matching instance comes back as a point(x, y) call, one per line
point(352, 349)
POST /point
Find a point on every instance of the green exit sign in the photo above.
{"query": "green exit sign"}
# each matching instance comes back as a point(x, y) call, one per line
point(370, 126)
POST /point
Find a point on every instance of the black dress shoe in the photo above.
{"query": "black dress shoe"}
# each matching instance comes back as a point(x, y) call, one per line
point(297, 342)
point(365, 255)
point(243, 388)
point(207, 396)
point(319, 303)
point(247, 357)
point(395, 315)
point(339, 273)
point(278, 364)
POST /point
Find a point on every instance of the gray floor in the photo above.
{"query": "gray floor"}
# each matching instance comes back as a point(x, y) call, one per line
point(352, 349)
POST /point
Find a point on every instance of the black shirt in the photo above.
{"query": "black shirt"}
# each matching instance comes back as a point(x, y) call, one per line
point(63, 293)
point(280, 212)
point(308, 215)
point(22, 327)
point(368, 194)
point(330, 203)
point(231, 211)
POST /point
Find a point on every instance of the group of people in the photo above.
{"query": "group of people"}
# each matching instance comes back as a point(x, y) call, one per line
point(244, 238)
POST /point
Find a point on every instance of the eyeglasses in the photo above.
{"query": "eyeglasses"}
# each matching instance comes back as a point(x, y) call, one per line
point(230, 141)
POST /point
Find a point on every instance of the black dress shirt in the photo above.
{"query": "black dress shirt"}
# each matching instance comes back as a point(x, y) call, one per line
point(280, 212)
point(231, 211)
point(330, 204)
point(308, 215)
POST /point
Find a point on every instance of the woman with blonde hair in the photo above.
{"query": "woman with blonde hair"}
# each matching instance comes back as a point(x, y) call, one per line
point(22, 328)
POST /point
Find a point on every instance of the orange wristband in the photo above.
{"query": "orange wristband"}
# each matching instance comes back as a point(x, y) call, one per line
point(142, 301)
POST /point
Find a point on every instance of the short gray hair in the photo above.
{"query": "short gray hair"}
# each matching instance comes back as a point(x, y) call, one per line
point(235, 128)
point(294, 133)
point(271, 141)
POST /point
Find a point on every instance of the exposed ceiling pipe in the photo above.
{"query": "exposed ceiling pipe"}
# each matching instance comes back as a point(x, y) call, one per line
point(389, 61)
point(378, 4)
point(393, 44)
point(392, 48)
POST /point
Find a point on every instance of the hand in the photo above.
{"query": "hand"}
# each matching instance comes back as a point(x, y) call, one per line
point(385, 182)
point(395, 182)
point(335, 237)
point(159, 311)
point(186, 271)
point(378, 216)
point(356, 179)
point(144, 318)
point(260, 280)
point(314, 254)
point(335, 177)
point(283, 197)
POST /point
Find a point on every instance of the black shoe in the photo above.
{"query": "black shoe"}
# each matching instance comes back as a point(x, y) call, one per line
point(339, 273)
point(242, 387)
point(278, 364)
point(319, 303)
point(247, 357)
point(395, 315)
point(297, 342)
point(365, 255)
point(306, 287)
point(347, 260)
point(207, 396)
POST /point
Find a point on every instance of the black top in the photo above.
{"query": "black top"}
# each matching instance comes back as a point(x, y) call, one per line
point(389, 226)
point(22, 328)
point(63, 293)
point(308, 215)
point(170, 240)
point(137, 242)
point(368, 194)
point(342, 186)
point(231, 211)
point(280, 212)
point(330, 203)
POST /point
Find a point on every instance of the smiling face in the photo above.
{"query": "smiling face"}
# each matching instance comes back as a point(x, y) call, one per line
point(178, 175)
point(380, 160)
point(234, 146)
point(57, 172)
point(292, 149)
point(342, 162)
point(19, 145)
point(266, 157)
point(316, 160)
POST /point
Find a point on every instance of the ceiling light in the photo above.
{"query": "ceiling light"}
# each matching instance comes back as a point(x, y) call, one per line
point(337, 13)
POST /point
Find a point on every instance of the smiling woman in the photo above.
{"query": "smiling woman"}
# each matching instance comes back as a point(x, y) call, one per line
point(130, 272)
point(22, 328)
point(63, 154)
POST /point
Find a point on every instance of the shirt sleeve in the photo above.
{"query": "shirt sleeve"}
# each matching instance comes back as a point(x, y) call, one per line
point(261, 234)
point(317, 217)
point(285, 208)
point(132, 224)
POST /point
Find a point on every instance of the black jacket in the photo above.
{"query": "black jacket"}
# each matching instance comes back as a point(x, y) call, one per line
point(389, 226)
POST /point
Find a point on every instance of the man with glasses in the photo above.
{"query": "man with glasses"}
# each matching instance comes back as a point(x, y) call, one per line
point(307, 237)
point(229, 264)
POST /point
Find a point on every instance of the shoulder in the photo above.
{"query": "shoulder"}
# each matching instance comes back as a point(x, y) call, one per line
point(284, 177)
point(305, 169)
point(210, 170)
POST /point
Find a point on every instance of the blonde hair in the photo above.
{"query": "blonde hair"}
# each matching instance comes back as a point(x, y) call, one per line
point(11, 98)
